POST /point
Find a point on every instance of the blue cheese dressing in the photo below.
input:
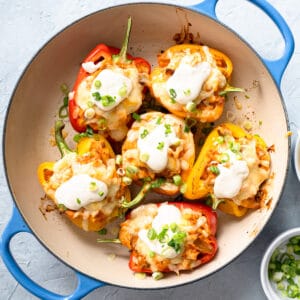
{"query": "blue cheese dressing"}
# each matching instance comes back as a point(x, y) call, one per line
point(153, 145)
point(79, 191)
point(229, 181)
point(110, 88)
point(186, 83)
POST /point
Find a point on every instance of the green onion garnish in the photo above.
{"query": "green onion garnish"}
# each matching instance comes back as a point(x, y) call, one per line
point(214, 169)
point(136, 116)
point(177, 180)
point(151, 234)
point(101, 194)
point(144, 133)
point(284, 268)
point(97, 84)
point(168, 129)
point(160, 145)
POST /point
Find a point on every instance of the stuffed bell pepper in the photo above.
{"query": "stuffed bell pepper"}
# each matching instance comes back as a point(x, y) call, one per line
point(190, 81)
point(169, 237)
point(84, 184)
point(230, 168)
point(159, 153)
point(110, 86)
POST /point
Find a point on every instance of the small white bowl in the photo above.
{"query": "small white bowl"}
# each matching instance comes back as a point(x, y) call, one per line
point(297, 156)
point(270, 291)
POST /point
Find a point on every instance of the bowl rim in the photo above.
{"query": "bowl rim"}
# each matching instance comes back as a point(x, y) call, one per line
point(279, 240)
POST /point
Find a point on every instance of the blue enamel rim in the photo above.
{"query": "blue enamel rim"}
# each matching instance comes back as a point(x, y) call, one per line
point(17, 224)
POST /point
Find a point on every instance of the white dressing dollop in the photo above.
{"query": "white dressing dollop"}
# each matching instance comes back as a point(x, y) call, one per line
point(110, 88)
point(153, 145)
point(167, 214)
point(186, 82)
point(79, 191)
point(90, 66)
point(229, 181)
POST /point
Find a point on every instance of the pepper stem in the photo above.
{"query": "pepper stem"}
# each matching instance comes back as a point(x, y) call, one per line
point(229, 89)
point(215, 202)
point(139, 197)
point(122, 56)
point(60, 141)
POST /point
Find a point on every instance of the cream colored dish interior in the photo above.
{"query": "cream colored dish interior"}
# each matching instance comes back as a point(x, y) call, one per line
point(36, 100)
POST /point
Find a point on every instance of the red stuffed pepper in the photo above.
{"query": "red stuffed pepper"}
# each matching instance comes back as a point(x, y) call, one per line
point(169, 237)
point(109, 87)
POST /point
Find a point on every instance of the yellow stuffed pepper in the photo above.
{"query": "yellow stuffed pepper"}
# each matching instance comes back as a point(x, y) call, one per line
point(191, 80)
point(230, 168)
point(84, 184)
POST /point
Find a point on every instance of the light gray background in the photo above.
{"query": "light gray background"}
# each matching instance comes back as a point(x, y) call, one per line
point(25, 25)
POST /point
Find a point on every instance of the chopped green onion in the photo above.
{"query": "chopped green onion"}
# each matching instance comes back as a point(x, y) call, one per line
point(151, 234)
point(93, 186)
point(158, 121)
point(172, 93)
point(131, 170)
point(168, 129)
point(140, 275)
point(284, 268)
point(191, 106)
point(62, 207)
point(177, 180)
point(123, 91)
point(151, 254)
point(107, 100)
point(78, 201)
point(214, 169)
point(127, 180)
point(224, 157)
point(64, 88)
point(173, 227)
point(136, 116)
point(96, 96)
point(157, 183)
point(187, 92)
point(183, 188)
point(163, 235)
point(118, 159)
point(144, 157)
point(220, 139)
point(234, 147)
point(160, 145)
point(144, 133)
point(157, 275)
point(101, 194)
point(97, 84)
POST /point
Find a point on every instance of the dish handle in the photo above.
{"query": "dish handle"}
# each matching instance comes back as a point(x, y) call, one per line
point(276, 66)
point(16, 224)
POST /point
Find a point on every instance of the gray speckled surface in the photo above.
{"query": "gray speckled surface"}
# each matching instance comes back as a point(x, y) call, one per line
point(25, 26)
